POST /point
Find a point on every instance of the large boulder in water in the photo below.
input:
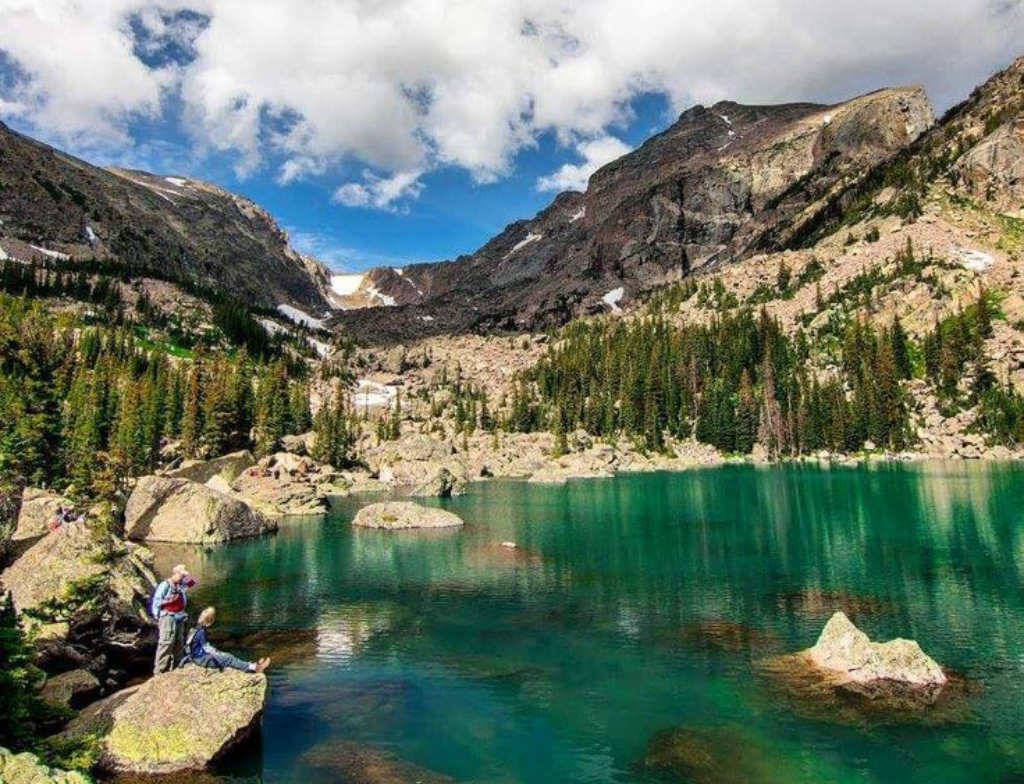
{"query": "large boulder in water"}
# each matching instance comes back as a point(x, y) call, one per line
point(38, 508)
point(27, 769)
point(397, 515)
point(87, 589)
point(846, 652)
point(163, 509)
point(184, 720)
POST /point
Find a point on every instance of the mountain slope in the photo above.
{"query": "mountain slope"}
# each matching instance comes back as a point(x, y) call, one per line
point(169, 227)
point(720, 184)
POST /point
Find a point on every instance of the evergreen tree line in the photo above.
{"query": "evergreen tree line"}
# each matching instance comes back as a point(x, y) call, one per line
point(733, 383)
point(72, 400)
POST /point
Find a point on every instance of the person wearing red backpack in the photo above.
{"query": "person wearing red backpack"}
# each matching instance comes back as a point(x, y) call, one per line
point(168, 609)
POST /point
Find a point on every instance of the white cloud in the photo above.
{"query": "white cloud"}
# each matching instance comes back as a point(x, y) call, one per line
point(574, 176)
point(404, 86)
point(381, 193)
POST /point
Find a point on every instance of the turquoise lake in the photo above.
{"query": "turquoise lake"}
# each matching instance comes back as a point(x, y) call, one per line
point(631, 606)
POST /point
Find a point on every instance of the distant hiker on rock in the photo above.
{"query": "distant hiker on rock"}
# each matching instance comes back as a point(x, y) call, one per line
point(200, 651)
point(168, 608)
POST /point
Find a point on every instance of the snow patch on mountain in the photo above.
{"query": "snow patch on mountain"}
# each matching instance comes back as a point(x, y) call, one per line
point(531, 237)
point(386, 300)
point(51, 253)
point(613, 298)
point(974, 260)
point(300, 317)
point(346, 285)
point(370, 394)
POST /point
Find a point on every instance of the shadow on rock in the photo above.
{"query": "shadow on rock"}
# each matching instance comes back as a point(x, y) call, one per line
point(354, 763)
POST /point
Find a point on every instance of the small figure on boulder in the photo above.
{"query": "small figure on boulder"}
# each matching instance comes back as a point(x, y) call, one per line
point(168, 608)
point(202, 653)
point(65, 515)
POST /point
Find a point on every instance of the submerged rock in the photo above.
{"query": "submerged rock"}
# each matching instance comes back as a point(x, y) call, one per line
point(721, 755)
point(846, 651)
point(163, 509)
point(396, 515)
point(27, 769)
point(183, 720)
point(354, 763)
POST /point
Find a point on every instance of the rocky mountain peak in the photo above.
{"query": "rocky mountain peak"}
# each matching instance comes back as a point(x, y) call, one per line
point(720, 184)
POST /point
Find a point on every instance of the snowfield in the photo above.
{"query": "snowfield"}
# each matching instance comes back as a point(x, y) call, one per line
point(370, 394)
point(51, 253)
point(974, 260)
point(386, 300)
point(300, 317)
point(523, 243)
point(346, 285)
point(613, 298)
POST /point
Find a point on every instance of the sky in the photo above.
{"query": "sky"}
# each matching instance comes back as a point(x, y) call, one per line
point(386, 132)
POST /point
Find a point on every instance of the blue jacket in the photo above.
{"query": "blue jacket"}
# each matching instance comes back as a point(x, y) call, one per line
point(199, 651)
point(164, 591)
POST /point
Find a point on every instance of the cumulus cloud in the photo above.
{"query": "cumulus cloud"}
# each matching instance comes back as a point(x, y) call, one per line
point(381, 193)
point(400, 86)
point(574, 176)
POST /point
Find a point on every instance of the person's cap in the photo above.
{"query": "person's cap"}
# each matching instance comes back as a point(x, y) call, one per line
point(180, 569)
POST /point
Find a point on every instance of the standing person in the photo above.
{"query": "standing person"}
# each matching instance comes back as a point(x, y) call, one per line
point(168, 607)
point(205, 655)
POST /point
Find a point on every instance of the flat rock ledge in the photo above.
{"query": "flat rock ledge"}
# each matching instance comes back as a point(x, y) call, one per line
point(399, 515)
point(27, 769)
point(846, 653)
point(184, 720)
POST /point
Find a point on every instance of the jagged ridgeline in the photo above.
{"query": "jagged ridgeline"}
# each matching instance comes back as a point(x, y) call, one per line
point(79, 401)
point(740, 381)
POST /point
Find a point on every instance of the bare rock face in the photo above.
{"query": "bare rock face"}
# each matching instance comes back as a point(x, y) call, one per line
point(184, 720)
point(163, 509)
point(38, 508)
point(993, 170)
point(96, 593)
point(397, 515)
point(27, 769)
point(846, 651)
point(723, 183)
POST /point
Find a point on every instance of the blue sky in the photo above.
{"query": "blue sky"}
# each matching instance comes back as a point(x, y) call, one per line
point(414, 130)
